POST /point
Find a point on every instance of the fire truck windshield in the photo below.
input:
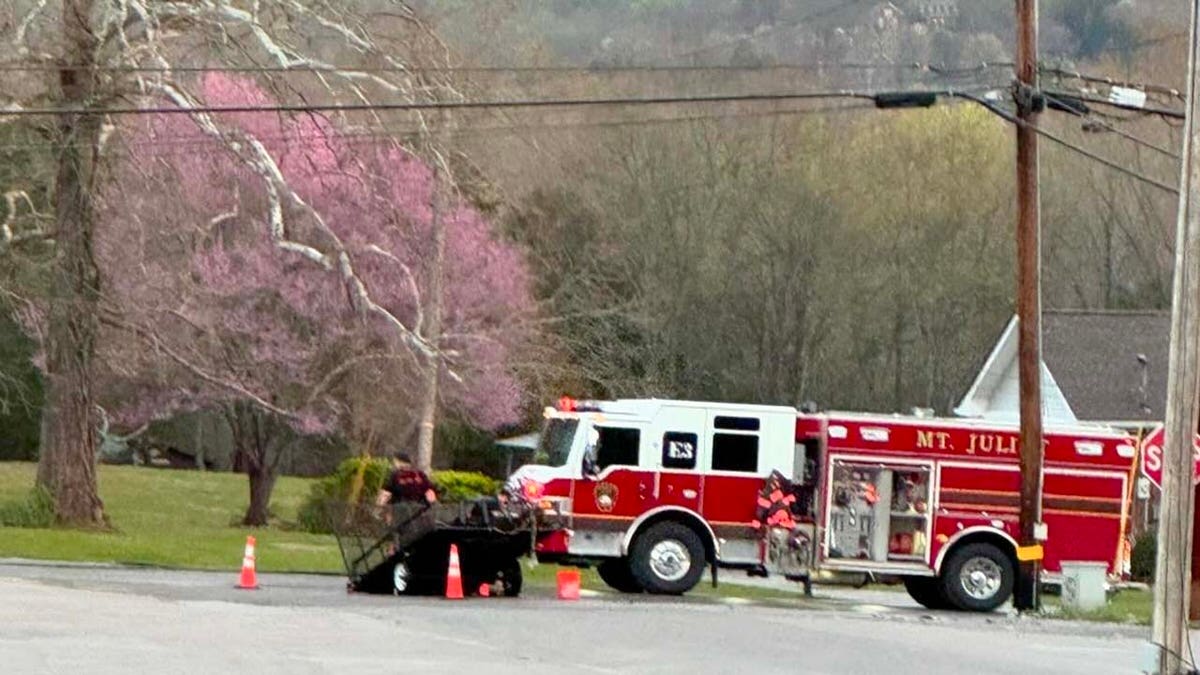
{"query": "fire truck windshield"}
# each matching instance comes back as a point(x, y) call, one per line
point(555, 446)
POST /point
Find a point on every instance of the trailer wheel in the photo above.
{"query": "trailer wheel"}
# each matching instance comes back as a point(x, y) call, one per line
point(667, 559)
point(511, 578)
point(616, 573)
point(978, 578)
point(927, 591)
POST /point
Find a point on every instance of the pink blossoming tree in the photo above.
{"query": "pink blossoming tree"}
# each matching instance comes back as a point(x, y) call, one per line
point(269, 266)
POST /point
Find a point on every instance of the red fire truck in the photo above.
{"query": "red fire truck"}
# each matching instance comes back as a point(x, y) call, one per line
point(655, 491)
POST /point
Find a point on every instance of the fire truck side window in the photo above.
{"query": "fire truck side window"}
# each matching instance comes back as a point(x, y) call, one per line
point(736, 423)
point(617, 447)
point(735, 452)
point(679, 450)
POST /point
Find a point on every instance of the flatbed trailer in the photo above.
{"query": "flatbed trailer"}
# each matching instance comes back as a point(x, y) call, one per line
point(405, 549)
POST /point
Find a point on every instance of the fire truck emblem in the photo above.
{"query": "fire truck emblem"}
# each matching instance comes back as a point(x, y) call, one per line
point(606, 497)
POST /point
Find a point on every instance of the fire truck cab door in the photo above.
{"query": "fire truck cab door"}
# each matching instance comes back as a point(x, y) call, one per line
point(615, 486)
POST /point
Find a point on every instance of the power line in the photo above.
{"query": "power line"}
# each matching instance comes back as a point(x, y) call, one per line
point(385, 133)
point(1069, 145)
point(964, 94)
point(1112, 82)
point(468, 105)
point(940, 69)
point(1088, 98)
point(1066, 107)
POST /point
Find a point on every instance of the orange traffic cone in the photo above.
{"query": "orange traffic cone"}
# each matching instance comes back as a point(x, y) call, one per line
point(249, 580)
point(454, 589)
point(568, 584)
point(485, 590)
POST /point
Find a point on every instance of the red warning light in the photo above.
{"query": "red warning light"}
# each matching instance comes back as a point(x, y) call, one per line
point(532, 490)
point(566, 404)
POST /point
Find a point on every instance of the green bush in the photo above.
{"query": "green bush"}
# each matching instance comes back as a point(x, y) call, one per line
point(1145, 553)
point(35, 510)
point(328, 496)
point(462, 486)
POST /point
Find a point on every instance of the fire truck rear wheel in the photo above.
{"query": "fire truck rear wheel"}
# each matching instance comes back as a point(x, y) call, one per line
point(927, 591)
point(616, 573)
point(978, 578)
point(667, 559)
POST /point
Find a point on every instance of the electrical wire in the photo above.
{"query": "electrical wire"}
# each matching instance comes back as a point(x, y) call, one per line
point(477, 105)
point(385, 133)
point(1074, 75)
point(964, 94)
point(442, 105)
point(1066, 107)
point(1088, 98)
point(1069, 145)
point(940, 69)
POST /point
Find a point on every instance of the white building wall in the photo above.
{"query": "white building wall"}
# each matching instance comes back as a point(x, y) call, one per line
point(1004, 403)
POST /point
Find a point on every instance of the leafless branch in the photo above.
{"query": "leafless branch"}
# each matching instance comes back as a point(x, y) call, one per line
point(153, 340)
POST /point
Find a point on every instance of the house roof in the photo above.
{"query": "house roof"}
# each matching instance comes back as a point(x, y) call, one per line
point(1090, 361)
point(1094, 358)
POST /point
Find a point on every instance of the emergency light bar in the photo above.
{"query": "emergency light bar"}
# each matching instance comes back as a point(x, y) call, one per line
point(568, 404)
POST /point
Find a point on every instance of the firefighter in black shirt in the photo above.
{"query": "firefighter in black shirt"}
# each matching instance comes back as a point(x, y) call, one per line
point(406, 484)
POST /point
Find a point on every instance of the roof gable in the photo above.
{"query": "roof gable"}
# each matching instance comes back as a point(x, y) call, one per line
point(995, 393)
point(1098, 366)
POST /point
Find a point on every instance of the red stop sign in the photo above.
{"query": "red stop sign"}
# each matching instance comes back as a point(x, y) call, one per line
point(1152, 457)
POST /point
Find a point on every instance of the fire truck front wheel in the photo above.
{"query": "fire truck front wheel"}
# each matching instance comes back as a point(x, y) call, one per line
point(667, 559)
point(978, 578)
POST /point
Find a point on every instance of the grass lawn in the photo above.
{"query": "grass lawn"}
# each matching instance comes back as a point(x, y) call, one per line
point(173, 519)
point(187, 519)
point(1127, 606)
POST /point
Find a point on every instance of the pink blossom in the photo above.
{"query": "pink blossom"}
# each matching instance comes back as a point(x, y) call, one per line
point(185, 247)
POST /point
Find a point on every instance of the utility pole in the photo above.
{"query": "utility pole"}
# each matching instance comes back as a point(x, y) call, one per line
point(1029, 304)
point(1173, 569)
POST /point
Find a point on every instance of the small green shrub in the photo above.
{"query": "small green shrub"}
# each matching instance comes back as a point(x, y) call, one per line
point(462, 486)
point(1145, 554)
point(328, 496)
point(35, 510)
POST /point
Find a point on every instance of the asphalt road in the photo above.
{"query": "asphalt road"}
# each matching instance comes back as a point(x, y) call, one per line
point(115, 620)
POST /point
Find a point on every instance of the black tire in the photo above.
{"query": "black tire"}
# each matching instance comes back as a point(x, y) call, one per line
point(510, 578)
point(978, 578)
point(667, 559)
point(927, 591)
point(616, 573)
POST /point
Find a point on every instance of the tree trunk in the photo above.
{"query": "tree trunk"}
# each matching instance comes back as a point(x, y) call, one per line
point(262, 484)
point(433, 329)
point(255, 437)
point(67, 463)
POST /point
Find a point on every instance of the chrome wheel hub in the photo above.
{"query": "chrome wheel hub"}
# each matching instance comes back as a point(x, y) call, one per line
point(981, 578)
point(669, 560)
point(400, 577)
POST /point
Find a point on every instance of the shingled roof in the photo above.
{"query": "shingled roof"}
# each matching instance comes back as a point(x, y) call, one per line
point(1091, 372)
point(1094, 358)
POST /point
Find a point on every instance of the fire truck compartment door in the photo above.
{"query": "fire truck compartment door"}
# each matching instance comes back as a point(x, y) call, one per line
point(675, 449)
